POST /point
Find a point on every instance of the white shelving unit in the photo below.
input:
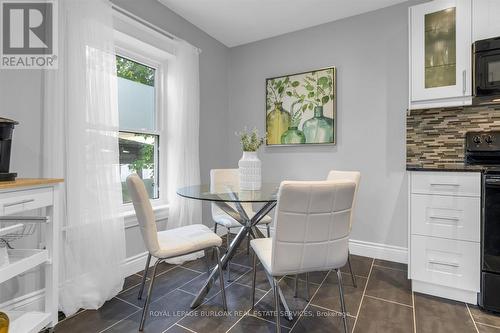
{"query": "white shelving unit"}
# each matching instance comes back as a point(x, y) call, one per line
point(32, 322)
point(16, 198)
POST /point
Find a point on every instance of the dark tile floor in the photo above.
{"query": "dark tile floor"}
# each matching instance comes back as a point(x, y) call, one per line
point(382, 302)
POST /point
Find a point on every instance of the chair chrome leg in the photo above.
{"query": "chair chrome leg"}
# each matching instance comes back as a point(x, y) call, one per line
point(215, 232)
point(228, 243)
point(248, 244)
point(353, 277)
point(276, 304)
point(144, 277)
point(148, 298)
point(342, 302)
point(207, 261)
point(253, 280)
point(221, 279)
point(307, 287)
point(268, 227)
point(296, 285)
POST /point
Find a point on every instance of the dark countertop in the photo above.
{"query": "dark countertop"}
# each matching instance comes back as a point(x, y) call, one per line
point(456, 167)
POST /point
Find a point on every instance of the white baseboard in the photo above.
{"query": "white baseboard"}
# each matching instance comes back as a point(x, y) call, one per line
point(136, 264)
point(379, 251)
point(460, 295)
point(361, 248)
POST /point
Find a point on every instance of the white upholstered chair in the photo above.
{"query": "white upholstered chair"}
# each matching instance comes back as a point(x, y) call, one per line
point(311, 234)
point(349, 176)
point(221, 180)
point(169, 243)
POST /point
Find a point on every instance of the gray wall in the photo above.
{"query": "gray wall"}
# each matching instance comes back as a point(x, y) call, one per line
point(370, 52)
point(21, 100)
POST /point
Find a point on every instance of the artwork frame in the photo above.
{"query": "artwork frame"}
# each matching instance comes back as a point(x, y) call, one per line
point(301, 108)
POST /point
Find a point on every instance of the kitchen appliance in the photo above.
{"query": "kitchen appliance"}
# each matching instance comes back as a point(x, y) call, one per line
point(486, 67)
point(6, 129)
point(483, 149)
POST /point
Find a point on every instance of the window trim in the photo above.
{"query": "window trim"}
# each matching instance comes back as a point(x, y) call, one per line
point(157, 59)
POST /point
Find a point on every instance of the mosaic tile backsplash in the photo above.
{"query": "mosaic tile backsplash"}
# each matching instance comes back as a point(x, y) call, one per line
point(435, 137)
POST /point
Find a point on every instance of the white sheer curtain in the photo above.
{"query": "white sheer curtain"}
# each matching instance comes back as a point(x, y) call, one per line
point(80, 144)
point(183, 124)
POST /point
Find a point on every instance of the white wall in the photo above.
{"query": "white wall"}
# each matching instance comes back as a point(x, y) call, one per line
point(370, 52)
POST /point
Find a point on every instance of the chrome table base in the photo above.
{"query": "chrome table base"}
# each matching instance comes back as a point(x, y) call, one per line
point(249, 226)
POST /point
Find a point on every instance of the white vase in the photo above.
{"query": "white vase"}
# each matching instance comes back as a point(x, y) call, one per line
point(250, 171)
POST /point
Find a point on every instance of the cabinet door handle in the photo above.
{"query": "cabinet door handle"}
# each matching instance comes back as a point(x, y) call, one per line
point(464, 81)
point(444, 263)
point(18, 202)
point(449, 218)
point(445, 184)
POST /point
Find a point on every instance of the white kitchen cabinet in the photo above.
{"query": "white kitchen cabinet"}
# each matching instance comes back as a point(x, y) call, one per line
point(22, 197)
point(444, 234)
point(447, 262)
point(485, 19)
point(446, 183)
point(446, 216)
point(440, 54)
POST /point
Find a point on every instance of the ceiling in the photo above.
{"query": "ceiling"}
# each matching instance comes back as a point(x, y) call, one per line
point(236, 22)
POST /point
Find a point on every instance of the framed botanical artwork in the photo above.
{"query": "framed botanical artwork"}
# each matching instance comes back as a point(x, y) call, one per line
point(301, 108)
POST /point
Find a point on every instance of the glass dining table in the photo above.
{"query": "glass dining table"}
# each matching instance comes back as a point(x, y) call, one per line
point(230, 200)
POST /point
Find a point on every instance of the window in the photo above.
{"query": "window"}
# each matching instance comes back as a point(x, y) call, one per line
point(139, 136)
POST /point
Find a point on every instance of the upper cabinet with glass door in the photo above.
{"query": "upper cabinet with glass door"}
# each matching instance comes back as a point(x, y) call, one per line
point(440, 54)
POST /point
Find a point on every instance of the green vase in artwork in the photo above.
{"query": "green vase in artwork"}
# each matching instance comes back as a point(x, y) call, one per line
point(277, 122)
point(293, 136)
point(318, 129)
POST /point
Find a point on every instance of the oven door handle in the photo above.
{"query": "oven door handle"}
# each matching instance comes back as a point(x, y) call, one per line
point(492, 181)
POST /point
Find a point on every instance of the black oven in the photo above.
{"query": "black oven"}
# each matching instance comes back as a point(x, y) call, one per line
point(490, 242)
point(486, 55)
point(482, 149)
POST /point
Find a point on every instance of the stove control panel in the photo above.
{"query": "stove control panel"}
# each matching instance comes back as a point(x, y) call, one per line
point(482, 141)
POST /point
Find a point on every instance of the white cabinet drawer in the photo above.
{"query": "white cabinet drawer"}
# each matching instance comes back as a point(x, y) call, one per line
point(446, 183)
point(19, 201)
point(446, 216)
point(446, 262)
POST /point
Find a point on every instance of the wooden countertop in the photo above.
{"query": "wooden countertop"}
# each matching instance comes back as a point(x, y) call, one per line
point(27, 182)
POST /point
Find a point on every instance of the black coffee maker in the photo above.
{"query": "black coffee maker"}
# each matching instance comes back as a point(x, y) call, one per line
point(6, 129)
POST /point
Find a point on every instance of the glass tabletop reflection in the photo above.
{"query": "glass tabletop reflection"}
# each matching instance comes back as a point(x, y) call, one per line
point(229, 193)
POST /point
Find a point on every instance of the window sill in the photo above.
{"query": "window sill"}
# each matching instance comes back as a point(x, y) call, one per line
point(161, 213)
